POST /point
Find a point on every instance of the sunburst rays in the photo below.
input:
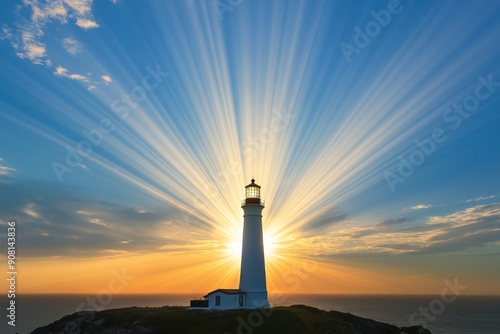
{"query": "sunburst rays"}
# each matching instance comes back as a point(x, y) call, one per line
point(254, 96)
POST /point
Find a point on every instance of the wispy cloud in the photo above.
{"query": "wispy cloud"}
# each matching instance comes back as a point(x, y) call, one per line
point(378, 228)
point(107, 79)
point(26, 38)
point(29, 35)
point(4, 170)
point(392, 222)
point(477, 199)
point(71, 45)
point(467, 216)
point(63, 72)
point(32, 49)
point(27, 45)
point(86, 24)
point(461, 230)
point(31, 210)
point(421, 206)
point(82, 7)
point(80, 226)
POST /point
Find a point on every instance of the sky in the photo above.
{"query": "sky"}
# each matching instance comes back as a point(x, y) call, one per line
point(128, 130)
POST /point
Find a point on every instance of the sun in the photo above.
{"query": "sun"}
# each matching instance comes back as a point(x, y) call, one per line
point(233, 248)
point(270, 246)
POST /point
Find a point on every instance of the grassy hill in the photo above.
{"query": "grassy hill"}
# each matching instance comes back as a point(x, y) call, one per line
point(295, 319)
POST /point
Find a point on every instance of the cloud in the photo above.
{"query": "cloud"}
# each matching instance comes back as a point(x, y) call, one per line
point(35, 52)
point(82, 7)
point(57, 220)
point(391, 222)
point(31, 210)
point(398, 247)
point(477, 199)
point(378, 228)
point(71, 45)
point(467, 216)
point(454, 242)
point(63, 72)
point(78, 77)
point(86, 24)
point(325, 221)
point(27, 46)
point(26, 37)
point(459, 231)
point(421, 206)
point(107, 79)
point(4, 170)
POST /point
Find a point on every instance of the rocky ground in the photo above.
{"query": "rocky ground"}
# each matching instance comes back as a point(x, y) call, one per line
point(296, 319)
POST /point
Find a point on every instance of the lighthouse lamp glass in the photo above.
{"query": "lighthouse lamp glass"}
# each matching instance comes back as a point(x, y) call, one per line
point(253, 192)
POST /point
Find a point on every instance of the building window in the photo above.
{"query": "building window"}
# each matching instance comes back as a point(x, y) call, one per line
point(217, 300)
point(241, 300)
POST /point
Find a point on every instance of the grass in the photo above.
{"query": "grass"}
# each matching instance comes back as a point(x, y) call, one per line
point(297, 319)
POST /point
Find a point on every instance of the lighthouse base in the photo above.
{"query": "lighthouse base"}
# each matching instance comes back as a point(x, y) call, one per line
point(255, 300)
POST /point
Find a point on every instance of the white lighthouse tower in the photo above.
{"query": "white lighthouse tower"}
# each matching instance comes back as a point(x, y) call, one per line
point(252, 293)
point(253, 268)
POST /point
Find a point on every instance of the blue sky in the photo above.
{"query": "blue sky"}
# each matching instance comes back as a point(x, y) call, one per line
point(372, 126)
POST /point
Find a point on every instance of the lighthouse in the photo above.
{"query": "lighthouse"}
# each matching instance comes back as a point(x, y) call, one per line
point(252, 293)
point(253, 268)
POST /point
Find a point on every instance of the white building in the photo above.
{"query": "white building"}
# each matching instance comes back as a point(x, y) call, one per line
point(252, 293)
point(225, 299)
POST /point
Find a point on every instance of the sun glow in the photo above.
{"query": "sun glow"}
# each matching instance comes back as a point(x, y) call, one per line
point(233, 248)
point(270, 246)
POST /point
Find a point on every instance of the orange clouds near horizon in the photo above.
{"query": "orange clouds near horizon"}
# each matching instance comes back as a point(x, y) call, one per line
point(200, 272)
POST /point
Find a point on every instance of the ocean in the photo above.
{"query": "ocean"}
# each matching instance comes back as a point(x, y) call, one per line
point(465, 315)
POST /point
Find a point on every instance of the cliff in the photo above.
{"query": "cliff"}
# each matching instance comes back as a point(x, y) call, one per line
point(295, 319)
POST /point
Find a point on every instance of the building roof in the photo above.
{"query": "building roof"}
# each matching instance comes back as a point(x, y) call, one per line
point(226, 291)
